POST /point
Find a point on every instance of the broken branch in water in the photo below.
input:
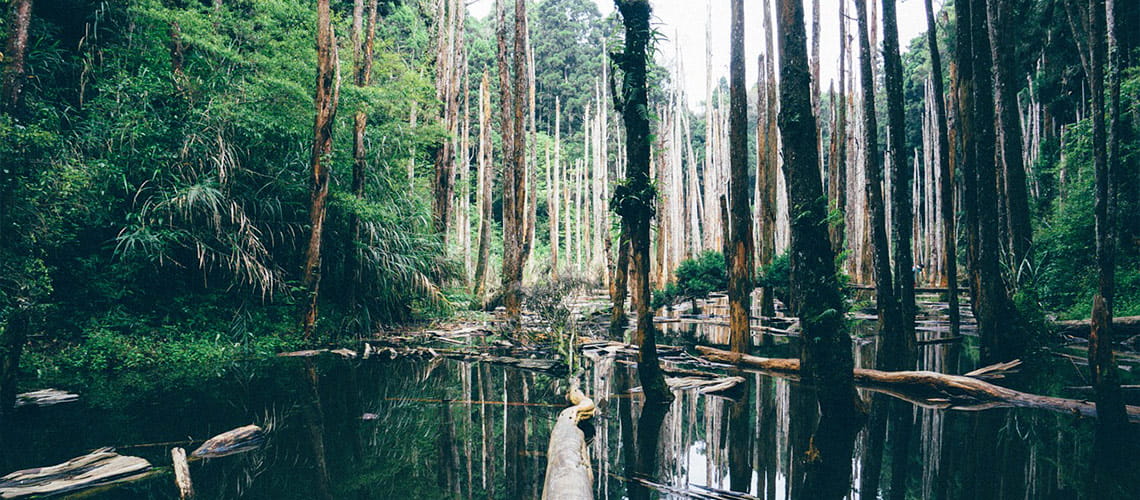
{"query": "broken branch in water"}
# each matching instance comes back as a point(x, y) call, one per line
point(230, 442)
point(940, 389)
point(181, 473)
point(99, 468)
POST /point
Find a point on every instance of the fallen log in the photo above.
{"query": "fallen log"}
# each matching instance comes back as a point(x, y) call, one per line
point(568, 472)
point(181, 473)
point(238, 440)
point(99, 468)
point(45, 397)
point(956, 390)
point(1122, 326)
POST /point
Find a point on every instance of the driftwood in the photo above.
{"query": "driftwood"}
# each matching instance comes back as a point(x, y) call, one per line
point(230, 442)
point(568, 473)
point(1121, 326)
point(704, 385)
point(181, 473)
point(937, 389)
point(45, 397)
point(98, 468)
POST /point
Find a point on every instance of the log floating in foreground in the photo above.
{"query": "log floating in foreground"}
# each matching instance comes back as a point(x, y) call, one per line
point(101, 467)
point(927, 388)
point(181, 473)
point(568, 473)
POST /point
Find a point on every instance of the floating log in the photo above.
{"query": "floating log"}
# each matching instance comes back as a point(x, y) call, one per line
point(45, 397)
point(238, 440)
point(181, 473)
point(568, 473)
point(949, 391)
point(1121, 326)
point(99, 468)
point(308, 353)
point(703, 385)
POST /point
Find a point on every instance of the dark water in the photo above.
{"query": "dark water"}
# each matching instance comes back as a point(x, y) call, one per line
point(442, 430)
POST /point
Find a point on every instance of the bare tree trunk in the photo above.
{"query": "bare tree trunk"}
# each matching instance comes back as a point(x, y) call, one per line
point(902, 219)
point(965, 134)
point(362, 43)
point(768, 165)
point(1113, 431)
point(12, 93)
point(516, 246)
point(816, 296)
point(1001, 337)
point(555, 190)
point(838, 173)
point(741, 250)
point(635, 198)
point(486, 179)
point(946, 187)
point(1001, 32)
point(325, 102)
point(448, 39)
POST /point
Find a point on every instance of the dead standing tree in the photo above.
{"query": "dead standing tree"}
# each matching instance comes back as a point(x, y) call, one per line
point(514, 103)
point(740, 254)
point(946, 187)
point(815, 292)
point(325, 102)
point(634, 199)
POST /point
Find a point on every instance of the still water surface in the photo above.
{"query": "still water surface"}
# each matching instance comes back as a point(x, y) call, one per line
point(368, 429)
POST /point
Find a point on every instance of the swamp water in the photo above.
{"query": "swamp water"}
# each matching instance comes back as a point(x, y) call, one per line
point(370, 429)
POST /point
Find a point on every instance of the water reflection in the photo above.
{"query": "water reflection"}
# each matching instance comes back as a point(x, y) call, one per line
point(446, 429)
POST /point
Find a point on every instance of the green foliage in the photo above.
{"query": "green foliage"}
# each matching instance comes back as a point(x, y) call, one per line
point(776, 275)
point(699, 276)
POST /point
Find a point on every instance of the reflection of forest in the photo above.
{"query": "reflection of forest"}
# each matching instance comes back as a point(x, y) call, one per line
point(449, 429)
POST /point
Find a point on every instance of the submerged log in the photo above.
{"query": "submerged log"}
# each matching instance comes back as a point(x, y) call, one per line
point(99, 468)
point(568, 473)
point(230, 442)
point(938, 389)
point(181, 473)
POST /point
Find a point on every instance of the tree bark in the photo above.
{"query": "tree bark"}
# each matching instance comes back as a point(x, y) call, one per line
point(837, 180)
point(815, 292)
point(634, 200)
point(902, 352)
point(363, 43)
point(889, 314)
point(1001, 32)
point(12, 92)
point(1106, 158)
point(556, 189)
point(486, 179)
point(740, 247)
point(769, 162)
point(946, 187)
point(325, 102)
point(998, 325)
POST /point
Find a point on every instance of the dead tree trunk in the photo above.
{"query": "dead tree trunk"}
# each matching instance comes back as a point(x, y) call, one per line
point(1001, 337)
point(634, 200)
point(1001, 32)
point(555, 189)
point(769, 161)
point(486, 179)
point(12, 93)
point(903, 350)
point(1106, 159)
point(325, 102)
point(740, 247)
point(362, 43)
point(946, 187)
point(838, 173)
point(816, 296)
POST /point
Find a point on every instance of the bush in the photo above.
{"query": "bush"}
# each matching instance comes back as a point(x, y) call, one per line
point(698, 277)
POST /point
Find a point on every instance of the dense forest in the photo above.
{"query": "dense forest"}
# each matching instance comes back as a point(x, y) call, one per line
point(188, 187)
